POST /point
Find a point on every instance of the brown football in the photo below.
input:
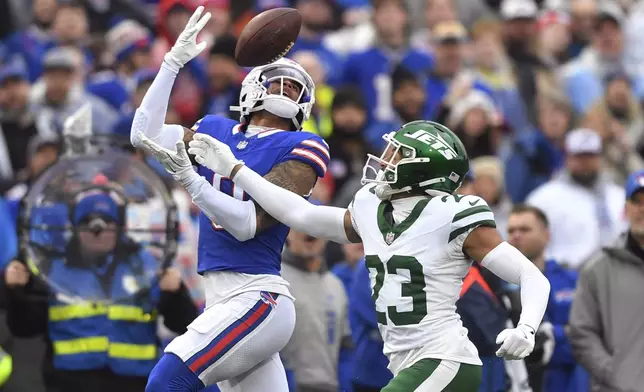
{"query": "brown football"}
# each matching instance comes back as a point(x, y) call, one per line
point(268, 37)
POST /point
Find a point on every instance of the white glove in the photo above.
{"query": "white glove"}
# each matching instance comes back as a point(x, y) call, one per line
point(186, 47)
point(213, 154)
point(516, 343)
point(176, 162)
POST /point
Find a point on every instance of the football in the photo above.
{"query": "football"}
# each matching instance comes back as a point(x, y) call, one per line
point(268, 37)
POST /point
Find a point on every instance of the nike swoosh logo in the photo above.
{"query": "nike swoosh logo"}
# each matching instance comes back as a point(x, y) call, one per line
point(473, 203)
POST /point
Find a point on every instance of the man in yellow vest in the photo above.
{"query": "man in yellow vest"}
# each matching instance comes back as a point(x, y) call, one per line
point(97, 346)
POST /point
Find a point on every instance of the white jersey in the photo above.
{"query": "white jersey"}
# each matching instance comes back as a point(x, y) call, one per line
point(413, 249)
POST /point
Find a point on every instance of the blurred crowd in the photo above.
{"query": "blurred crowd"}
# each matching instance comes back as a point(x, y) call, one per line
point(546, 95)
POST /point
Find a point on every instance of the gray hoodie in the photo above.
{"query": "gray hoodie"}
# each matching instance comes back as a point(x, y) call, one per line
point(607, 319)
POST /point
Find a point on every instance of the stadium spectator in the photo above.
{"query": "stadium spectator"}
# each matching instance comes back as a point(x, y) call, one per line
point(528, 230)
point(519, 27)
point(370, 70)
point(61, 93)
point(489, 184)
point(70, 26)
point(128, 42)
point(553, 38)
point(320, 121)
point(585, 76)
point(435, 11)
point(584, 207)
point(312, 355)
point(539, 152)
point(531, 72)
point(491, 65)
point(99, 347)
point(582, 20)
point(606, 312)
point(318, 17)
point(41, 153)
point(475, 120)
point(618, 117)
point(27, 47)
point(408, 100)
point(349, 116)
point(370, 372)
point(446, 82)
point(220, 23)
point(225, 77)
point(17, 123)
point(345, 270)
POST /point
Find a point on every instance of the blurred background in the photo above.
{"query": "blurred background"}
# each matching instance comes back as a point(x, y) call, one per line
point(546, 95)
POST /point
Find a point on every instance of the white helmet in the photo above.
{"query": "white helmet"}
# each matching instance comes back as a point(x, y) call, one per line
point(254, 94)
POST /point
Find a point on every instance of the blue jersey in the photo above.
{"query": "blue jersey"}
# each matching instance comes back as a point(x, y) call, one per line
point(220, 251)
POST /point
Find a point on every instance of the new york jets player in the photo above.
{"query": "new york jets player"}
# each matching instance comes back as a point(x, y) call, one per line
point(419, 236)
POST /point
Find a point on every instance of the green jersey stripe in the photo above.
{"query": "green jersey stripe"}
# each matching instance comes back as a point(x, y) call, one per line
point(470, 211)
point(481, 216)
point(459, 231)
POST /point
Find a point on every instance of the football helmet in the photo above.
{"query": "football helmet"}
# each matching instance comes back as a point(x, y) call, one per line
point(421, 155)
point(254, 94)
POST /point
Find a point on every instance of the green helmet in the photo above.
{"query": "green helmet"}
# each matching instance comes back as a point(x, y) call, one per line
point(432, 158)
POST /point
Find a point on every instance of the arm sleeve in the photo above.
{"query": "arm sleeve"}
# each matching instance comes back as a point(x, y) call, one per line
point(149, 117)
point(238, 217)
point(506, 262)
point(293, 210)
point(585, 335)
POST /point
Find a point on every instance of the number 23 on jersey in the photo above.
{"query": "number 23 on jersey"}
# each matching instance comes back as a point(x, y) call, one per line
point(414, 288)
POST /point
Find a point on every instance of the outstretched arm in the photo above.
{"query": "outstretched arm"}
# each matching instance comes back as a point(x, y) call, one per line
point(331, 223)
point(149, 117)
point(485, 245)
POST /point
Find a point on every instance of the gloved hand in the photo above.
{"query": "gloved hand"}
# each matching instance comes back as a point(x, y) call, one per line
point(186, 47)
point(213, 154)
point(516, 343)
point(176, 162)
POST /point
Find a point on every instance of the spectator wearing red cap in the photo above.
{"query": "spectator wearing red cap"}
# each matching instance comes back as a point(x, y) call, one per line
point(553, 29)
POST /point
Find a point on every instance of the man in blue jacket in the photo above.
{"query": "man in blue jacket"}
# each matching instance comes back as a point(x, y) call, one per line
point(108, 345)
point(370, 372)
point(528, 232)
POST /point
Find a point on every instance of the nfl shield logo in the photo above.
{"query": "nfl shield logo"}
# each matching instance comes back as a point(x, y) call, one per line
point(241, 145)
point(389, 238)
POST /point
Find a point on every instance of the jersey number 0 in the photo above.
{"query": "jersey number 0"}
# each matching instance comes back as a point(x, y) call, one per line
point(227, 186)
point(414, 289)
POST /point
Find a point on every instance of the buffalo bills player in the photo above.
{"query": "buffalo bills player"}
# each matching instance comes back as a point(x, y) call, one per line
point(249, 314)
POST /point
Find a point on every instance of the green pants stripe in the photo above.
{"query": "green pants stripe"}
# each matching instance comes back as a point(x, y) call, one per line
point(432, 375)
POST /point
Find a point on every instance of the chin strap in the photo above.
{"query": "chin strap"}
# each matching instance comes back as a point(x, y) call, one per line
point(385, 191)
